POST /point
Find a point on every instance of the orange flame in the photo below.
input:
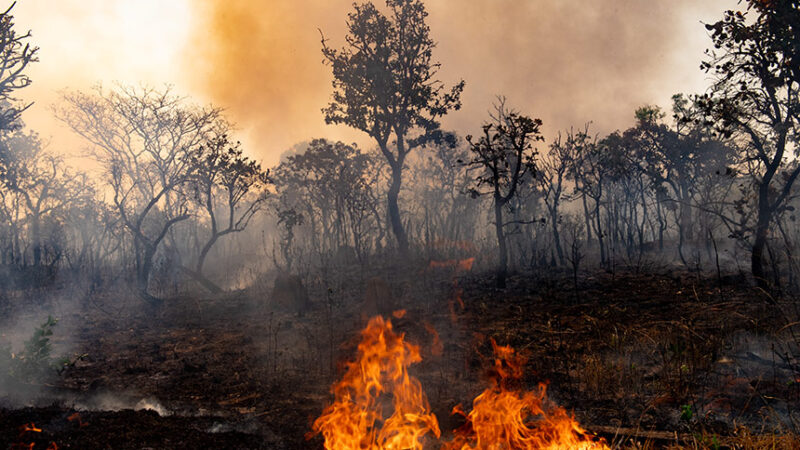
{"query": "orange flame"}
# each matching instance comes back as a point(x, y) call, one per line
point(29, 427)
point(77, 417)
point(504, 418)
point(357, 419)
point(23, 430)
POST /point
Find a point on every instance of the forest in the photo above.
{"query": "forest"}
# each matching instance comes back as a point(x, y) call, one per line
point(503, 287)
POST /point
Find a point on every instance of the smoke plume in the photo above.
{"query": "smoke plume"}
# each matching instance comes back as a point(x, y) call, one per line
point(567, 62)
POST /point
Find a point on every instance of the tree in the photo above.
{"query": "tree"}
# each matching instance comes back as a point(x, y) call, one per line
point(230, 189)
point(504, 156)
point(44, 188)
point(438, 181)
point(385, 85)
point(754, 100)
point(146, 140)
point(552, 172)
point(679, 161)
point(330, 186)
point(589, 170)
point(15, 56)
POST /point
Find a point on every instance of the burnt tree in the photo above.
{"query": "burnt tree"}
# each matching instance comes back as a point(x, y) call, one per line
point(16, 54)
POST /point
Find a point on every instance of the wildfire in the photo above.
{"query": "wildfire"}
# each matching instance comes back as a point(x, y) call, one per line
point(503, 417)
point(378, 405)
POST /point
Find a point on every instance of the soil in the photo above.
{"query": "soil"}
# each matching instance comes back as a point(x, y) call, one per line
point(630, 354)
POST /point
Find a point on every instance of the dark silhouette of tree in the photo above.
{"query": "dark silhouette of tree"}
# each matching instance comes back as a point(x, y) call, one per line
point(679, 161)
point(552, 171)
point(146, 140)
point(754, 100)
point(15, 56)
point(385, 85)
point(589, 171)
point(504, 157)
point(229, 189)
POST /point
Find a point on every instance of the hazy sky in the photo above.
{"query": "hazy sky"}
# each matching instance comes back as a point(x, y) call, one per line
point(566, 61)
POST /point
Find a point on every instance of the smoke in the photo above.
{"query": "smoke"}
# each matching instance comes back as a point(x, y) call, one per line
point(567, 62)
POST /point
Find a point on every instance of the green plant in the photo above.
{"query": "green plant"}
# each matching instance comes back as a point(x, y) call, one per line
point(34, 361)
point(686, 412)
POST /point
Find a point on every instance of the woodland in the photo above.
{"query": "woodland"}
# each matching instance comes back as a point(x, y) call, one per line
point(636, 289)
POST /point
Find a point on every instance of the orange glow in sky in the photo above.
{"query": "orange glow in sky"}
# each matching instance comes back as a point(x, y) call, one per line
point(567, 62)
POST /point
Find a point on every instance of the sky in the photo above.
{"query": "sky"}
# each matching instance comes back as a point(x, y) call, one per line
point(567, 62)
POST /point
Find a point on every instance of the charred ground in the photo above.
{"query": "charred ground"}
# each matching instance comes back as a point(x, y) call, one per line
point(667, 358)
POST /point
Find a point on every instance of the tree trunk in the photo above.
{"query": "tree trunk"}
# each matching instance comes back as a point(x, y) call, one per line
point(143, 275)
point(599, 232)
point(37, 240)
point(556, 235)
point(502, 265)
point(198, 271)
point(761, 231)
point(394, 211)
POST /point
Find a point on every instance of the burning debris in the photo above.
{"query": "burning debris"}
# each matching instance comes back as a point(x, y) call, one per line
point(26, 432)
point(378, 405)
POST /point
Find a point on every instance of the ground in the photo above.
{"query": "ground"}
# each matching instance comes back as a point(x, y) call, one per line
point(658, 359)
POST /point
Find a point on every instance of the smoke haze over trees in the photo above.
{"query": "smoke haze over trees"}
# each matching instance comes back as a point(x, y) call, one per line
point(268, 176)
point(175, 190)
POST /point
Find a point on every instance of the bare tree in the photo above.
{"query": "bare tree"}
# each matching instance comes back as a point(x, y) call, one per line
point(504, 157)
point(385, 85)
point(146, 140)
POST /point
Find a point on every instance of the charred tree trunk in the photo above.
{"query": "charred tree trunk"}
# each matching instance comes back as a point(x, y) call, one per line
point(197, 274)
point(502, 264)
point(761, 232)
point(394, 210)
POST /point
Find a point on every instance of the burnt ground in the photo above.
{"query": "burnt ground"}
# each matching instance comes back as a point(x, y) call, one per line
point(659, 359)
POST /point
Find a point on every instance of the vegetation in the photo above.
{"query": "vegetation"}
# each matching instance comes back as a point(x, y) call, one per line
point(634, 265)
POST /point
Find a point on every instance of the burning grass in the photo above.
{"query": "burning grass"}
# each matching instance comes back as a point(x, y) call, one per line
point(502, 417)
point(645, 361)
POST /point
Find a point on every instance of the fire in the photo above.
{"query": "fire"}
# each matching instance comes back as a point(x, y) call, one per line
point(504, 417)
point(378, 405)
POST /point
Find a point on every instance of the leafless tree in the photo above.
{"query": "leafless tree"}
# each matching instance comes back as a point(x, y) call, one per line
point(146, 140)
